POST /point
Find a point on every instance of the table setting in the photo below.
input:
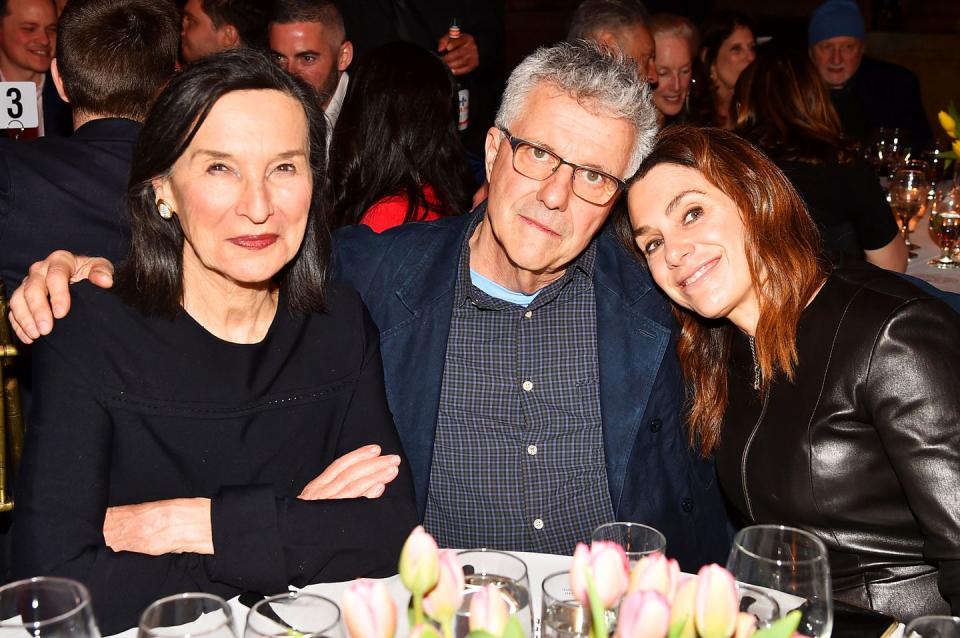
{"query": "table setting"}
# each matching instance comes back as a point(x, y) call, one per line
point(776, 584)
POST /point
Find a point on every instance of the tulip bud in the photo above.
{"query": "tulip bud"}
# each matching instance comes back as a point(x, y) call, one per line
point(643, 614)
point(746, 625)
point(419, 562)
point(681, 612)
point(369, 610)
point(443, 601)
point(607, 563)
point(717, 602)
point(655, 572)
point(489, 610)
point(948, 123)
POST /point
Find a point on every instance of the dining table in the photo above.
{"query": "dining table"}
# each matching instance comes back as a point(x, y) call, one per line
point(539, 567)
point(926, 249)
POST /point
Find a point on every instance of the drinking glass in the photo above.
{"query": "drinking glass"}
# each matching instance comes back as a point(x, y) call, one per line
point(933, 627)
point(908, 192)
point(885, 150)
point(945, 226)
point(637, 540)
point(917, 164)
point(294, 614)
point(505, 571)
point(48, 607)
point(779, 569)
point(561, 615)
point(191, 615)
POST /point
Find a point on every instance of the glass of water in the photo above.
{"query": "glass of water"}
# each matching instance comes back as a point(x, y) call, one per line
point(561, 614)
point(636, 540)
point(192, 615)
point(506, 572)
point(294, 614)
point(48, 607)
point(933, 627)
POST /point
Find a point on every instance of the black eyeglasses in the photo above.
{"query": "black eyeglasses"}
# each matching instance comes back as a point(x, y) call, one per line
point(538, 163)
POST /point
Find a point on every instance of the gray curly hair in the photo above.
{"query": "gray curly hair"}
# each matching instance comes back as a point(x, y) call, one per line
point(601, 79)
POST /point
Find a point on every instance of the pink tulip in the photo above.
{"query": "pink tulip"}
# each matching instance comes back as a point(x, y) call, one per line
point(681, 612)
point(717, 602)
point(419, 562)
point(655, 573)
point(607, 564)
point(444, 600)
point(489, 610)
point(643, 614)
point(369, 610)
point(746, 625)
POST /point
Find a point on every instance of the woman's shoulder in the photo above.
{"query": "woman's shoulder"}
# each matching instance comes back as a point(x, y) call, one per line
point(875, 292)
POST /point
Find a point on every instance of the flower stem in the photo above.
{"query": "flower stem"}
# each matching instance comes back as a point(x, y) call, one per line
point(417, 609)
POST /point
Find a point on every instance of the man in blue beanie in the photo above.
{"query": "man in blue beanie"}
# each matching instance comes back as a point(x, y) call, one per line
point(867, 93)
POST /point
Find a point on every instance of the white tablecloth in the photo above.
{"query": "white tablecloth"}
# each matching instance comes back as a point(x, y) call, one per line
point(926, 250)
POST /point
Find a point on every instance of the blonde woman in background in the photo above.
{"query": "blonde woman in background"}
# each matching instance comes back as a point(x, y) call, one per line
point(677, 41)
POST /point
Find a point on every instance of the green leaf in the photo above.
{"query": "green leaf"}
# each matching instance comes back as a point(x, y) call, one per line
point(783, 628)
point(678, 627)
point(598, 619)
point(513, 629)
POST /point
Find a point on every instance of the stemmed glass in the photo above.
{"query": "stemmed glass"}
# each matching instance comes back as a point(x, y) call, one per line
point(933, 627)
point(293, 614)
point(909, 188)
point(48, 607)
point(885, 151)
point(945, 226)
point(193, 615)
point(779, 569)
point(637, 540)
point(505, 571)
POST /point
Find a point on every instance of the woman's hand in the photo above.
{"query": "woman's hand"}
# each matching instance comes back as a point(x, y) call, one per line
point(173, 526)
point(362, 472)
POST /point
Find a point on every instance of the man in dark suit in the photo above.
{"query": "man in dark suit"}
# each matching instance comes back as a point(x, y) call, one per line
point(69, 192)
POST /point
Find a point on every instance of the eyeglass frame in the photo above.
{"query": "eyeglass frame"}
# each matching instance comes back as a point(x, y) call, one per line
point(517, 141)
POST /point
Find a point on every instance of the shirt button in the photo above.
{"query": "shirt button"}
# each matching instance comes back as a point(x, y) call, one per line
point(532, 450)
point(538, 523)
point(528, 314)
point(527, 386)
point(687, 504)
point(655, 425)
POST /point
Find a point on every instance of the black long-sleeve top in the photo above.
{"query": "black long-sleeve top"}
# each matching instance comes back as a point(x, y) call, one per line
point(132, 408)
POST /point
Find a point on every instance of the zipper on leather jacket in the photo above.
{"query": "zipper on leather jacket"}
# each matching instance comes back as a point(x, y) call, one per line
point(746, 450)
point(756, 364)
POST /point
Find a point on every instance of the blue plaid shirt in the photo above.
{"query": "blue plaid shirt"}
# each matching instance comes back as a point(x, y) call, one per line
point(518, 461)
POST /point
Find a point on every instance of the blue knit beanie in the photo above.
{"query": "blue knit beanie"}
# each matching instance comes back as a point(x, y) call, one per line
point(835, 18)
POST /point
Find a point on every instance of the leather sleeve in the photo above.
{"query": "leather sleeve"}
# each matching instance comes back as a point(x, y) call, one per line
point(913, 392)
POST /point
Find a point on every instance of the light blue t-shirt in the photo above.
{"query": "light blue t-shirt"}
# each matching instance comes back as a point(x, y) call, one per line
point(497, 291)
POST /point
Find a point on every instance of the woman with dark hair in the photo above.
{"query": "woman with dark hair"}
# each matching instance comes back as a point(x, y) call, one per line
point(727, 46)
point(395, 155)
point(186, 423)
point(783, 108)
point(829, 398)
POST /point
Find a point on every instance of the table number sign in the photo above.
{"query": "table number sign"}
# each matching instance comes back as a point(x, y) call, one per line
point(18, 105)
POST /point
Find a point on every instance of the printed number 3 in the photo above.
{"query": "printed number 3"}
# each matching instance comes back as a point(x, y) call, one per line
point(15, 109)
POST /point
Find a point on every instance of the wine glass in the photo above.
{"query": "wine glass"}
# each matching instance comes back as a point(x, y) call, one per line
point(293, 614)
point(561, 614)
point(917, 164)
point(908, 192)
point(933, 627)
point(637, 540)
point(945, 226)
point(779, 569)
point(886, 148)
point(192, 615)
point(505, 571)
point(48, 607)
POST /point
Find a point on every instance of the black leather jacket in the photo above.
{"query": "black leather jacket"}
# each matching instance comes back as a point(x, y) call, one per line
point(863, 448)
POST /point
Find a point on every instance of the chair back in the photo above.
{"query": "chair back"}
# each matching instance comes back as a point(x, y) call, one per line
point(11, 416)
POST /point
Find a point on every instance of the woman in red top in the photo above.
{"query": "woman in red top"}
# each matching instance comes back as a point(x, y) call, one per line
point(395, 155)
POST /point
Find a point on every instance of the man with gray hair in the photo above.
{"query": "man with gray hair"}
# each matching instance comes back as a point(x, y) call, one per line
point(529, 361)
point(619, 25)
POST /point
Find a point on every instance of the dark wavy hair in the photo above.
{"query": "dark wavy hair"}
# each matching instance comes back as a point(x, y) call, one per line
point(713, 33)
point(784, 108)
point(396, 133)
point(151, 277)
point(782, 247)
